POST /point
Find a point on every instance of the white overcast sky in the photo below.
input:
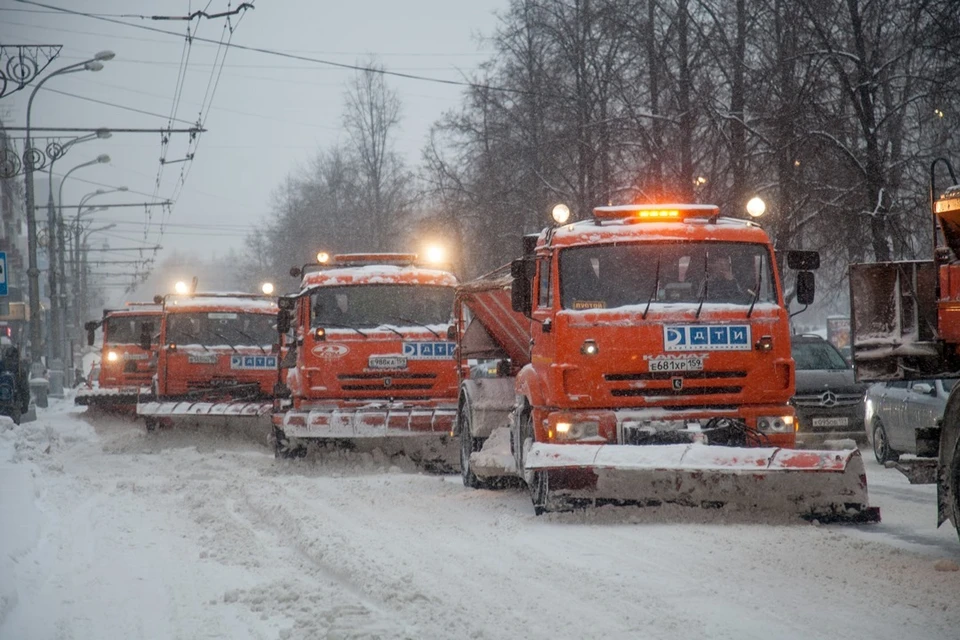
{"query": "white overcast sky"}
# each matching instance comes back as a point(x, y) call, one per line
point(269, 114)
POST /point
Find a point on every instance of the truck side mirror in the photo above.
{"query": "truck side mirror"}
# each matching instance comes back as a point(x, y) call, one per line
point(91, 328)
point(520, 291)
point(283, 321)
point(452, 333)
point(146, 336)
point(803, 260)
point(806, 287)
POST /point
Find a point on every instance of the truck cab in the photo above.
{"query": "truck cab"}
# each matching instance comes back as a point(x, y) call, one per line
point(217, 345)
point(367, 351)
point(128, 356)
point(651, 321)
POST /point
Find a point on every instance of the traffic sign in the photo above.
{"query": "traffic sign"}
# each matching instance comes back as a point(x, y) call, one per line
point(3, 273)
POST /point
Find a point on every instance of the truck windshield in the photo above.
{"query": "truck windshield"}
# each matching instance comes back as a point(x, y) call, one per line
point(126, 329)
point(373, 306)
point(217, 328)
point(618, 275)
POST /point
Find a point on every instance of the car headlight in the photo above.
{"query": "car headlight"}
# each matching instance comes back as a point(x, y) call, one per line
point(580, 430)
point(775, 424)
point(868, 410)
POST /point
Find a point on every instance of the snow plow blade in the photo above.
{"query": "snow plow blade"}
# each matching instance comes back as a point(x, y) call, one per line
point(232, 413)
point(829, 486)
point(109, 398)
point(420, 433)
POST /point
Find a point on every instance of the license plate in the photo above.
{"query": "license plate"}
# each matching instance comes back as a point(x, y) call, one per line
point(831, 422)
point(675, 364)
point(387, 362)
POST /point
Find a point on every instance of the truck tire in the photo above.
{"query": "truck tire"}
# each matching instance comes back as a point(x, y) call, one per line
point(468, 445)
point(954, 479)
point(881, 444)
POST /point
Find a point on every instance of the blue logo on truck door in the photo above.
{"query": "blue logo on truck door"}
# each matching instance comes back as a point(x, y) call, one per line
point(253, 362)
point(702, 337)
point(429, 350)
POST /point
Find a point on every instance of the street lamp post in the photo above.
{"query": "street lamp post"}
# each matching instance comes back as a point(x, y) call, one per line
point(58, 302)
point(75, 258)
point(33, 273)
point(54, 349)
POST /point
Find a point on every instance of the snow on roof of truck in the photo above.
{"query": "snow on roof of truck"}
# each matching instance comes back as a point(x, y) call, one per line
point(228, 301)
point(588, 232)
point(378, 274)
point(137, 309)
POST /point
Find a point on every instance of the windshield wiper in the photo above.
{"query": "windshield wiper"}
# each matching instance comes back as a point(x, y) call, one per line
point(389, 328)
point(706, 281)
point(419, 324)
point(656, 286)
point(756, 291)
point(251, 339)
point(341, 326)
point(223, 337)
point(193, 337)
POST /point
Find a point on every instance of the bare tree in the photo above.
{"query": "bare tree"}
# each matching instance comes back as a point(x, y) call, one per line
point(372, 114)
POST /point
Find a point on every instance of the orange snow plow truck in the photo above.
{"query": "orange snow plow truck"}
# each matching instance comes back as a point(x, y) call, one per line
point(128, 357)
point(217, 360)
point(368, 358)
point(643, 357)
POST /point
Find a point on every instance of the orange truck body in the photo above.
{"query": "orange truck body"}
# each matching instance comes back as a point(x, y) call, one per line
point(371, 357)
point(217, 356)
point(905, 325)
point(615, 360)
point(126, 368)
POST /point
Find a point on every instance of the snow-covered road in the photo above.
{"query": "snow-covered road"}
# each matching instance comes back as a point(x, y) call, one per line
point(108, 532)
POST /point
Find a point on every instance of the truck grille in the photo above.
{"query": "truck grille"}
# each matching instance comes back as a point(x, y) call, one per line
point(382, 381)
point(693, 383)
point(668, 391)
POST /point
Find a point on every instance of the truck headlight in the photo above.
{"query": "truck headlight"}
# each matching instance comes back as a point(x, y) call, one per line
point(589, 348)
point(112, 356)
point(775, 424)
point(577, 430)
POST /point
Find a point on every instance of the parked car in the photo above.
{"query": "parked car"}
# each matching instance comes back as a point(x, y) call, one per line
point(896, 409)
point(828, 400)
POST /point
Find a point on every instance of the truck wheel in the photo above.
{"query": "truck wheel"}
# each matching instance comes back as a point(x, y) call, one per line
point(15, 414)
point(881, 444)
point(283, 449)
point(468, 445)
point(953, 478)
point(150, 423)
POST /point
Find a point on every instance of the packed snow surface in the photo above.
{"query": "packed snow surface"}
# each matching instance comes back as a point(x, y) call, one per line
point(107, 531)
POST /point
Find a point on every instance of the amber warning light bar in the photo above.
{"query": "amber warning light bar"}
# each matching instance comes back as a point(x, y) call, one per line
point(656, 212)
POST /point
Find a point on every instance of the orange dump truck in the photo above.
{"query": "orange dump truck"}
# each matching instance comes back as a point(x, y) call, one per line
point(369, 360)
point(128, 358)
point(643, 356)
point(905, 321)
point(217, 359)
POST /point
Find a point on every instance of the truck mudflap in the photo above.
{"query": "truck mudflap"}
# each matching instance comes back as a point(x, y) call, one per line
point(111, 397)
point(829, 486)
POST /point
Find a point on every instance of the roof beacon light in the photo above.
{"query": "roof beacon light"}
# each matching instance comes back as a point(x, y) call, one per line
point(561, 213)
point(323, 257)
point(756, 207)
point(436, 254)
point(656, 212)
point(181, 288)
point(267, 288)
